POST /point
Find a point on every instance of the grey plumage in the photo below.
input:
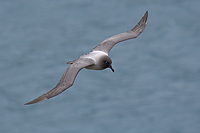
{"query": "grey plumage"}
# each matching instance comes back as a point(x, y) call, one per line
point(108, 43)
point(97, 59)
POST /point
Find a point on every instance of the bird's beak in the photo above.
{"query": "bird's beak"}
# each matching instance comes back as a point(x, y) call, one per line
point(111, 68)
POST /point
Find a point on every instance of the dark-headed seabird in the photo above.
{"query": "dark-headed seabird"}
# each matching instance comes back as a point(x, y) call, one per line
point(97, 59)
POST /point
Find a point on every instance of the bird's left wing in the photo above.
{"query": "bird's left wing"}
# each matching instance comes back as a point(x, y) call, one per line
point(66, 81)
point(107, 44)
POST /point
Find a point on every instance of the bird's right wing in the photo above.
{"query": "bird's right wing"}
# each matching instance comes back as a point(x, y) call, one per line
point(107, 44)
point(66, 81)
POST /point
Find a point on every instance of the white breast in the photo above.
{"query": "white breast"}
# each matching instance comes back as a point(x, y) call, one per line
point(95, 55)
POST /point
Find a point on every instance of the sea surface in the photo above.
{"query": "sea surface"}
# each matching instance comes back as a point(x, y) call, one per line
point(156, 84)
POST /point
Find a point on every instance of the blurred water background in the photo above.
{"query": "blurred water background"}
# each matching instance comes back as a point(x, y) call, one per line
point(156, 84)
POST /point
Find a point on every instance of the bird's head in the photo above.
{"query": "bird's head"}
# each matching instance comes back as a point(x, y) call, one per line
point(106, 62)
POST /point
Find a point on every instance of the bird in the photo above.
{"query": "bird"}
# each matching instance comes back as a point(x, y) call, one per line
point(97, 59)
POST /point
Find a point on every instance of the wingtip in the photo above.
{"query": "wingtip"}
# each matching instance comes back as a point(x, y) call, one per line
point(27, 103)
point(37, 100)
point(145, 17)
point(147, 12)
point(140, 26)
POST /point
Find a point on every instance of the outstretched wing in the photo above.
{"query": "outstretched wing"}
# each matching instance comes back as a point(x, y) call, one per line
point(66, 81)
point(107, 44)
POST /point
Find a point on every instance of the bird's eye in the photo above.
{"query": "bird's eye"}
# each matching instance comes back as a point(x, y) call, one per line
point(105, 62)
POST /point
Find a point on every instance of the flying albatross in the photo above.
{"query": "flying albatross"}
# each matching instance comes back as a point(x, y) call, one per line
point(97, 59)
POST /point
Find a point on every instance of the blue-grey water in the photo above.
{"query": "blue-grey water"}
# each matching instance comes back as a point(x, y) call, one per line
point(156, 84)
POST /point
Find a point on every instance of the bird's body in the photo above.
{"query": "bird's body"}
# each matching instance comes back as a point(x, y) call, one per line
point(97, 59)
point(96, 56)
